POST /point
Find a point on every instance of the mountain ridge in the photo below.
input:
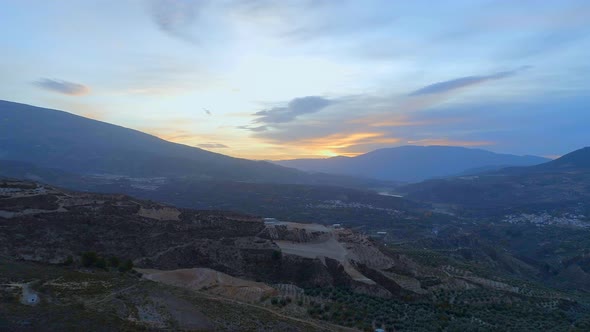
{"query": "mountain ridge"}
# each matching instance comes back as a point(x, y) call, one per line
point(412, 163)
point(559, 185)
point(56, 139)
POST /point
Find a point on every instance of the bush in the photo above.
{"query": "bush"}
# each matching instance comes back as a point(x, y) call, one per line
point(69, 261)
point(101, 263)
point(126, 266)
point(89, 259)
point(277, 254)
point(114, 261)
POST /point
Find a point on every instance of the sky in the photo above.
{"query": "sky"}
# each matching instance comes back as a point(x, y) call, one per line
point(288, 79)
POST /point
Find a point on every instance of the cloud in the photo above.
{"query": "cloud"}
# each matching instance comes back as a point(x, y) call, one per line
point(351, 125)
point(341, 143)
point(212, 146)
point(63, 87)
point(292, 110)
point(195, 21)
point(543, 43)
point(356, 124)
point(464, 82)
point(329, 19)
point(255, 129)
point(155, 75)
point(175, 17)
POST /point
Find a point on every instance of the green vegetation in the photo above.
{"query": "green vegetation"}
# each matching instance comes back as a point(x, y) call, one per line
point(68, 261)
point(474, 310)
point(277, 254)
point(126, 266)
point(114, 261)
point(74, 300)
point(89, 259)
point(92, 259)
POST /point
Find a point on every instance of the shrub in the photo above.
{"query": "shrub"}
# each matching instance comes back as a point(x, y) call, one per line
point(101, 263)
point(69, 260)
point(114, 261)
point(89, 258)
point(276, 254)
point(126, 266)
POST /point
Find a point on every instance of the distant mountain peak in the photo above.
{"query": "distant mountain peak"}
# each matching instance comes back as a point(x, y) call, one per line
point(412, 163)
point(48, 138)
point(579, 158)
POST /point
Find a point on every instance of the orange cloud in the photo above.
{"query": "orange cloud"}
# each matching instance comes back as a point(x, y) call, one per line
point(337, 144)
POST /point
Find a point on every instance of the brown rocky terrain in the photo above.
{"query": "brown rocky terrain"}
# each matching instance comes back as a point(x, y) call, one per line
point(45, 224)
point(230, 258)
point(214, 282)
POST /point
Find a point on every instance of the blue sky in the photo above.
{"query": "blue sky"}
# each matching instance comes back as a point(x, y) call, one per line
point(283, 79)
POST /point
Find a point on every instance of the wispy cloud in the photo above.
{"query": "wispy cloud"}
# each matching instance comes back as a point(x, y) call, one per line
point(349, 125)
point(292, 110)
point(161, 75)
point(175, 17)
point(255, 129)
point(63, 87)
point(463, 82)
point(212, 146)
point(341, 143)
point(295, 21)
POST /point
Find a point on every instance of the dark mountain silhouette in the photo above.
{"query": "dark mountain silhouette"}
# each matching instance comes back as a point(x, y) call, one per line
point(59, 140)
point(413, 163)
point(576, 159)
point(561, 184)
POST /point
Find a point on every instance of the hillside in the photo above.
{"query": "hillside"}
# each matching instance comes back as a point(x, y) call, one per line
point(323, 204)
point(412, 163)
point(58, 140)
point(59, 223)
point(561, 185)
point(67, 257)
point(575, 160)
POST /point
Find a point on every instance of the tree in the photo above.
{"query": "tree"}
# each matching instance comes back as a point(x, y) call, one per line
point(126, 266)
point(69, 260)
point(101, 263)
point(276, 255)
point(89, 258)
point(114, 261)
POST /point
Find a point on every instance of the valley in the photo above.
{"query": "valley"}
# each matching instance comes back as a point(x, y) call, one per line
point(189, 266)
point(202, 241)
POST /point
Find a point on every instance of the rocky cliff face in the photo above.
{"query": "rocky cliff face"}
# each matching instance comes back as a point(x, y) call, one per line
point(356, 262)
